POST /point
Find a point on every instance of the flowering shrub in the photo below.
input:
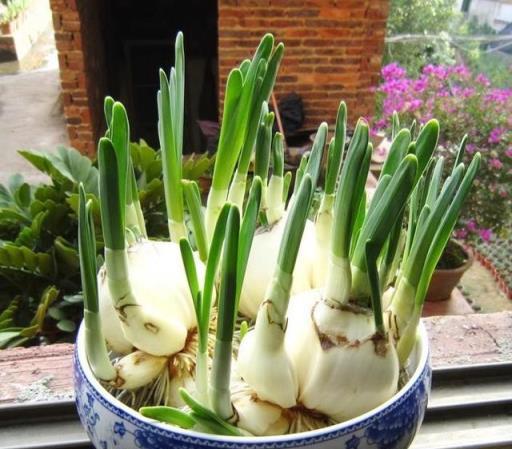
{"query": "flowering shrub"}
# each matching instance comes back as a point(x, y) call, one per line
point(464, 103)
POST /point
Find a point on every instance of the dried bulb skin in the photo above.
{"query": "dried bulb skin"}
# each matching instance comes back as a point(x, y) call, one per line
point(346, 369)
point(262, 260)
point(166, 313)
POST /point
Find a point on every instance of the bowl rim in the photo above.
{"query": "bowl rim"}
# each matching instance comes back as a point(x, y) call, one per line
point(356, 423)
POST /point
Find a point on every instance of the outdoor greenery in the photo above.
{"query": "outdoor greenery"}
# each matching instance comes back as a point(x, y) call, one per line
point(463, 82)
point(13, 9)
point(40, 290)
point(420, 17)
point(464, 103)
point(446, 40)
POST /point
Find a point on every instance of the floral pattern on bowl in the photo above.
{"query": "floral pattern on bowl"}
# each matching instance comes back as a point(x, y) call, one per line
point(393, 425)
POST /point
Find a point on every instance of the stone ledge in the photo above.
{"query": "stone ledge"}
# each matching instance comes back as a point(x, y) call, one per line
point(45, 373)
point(470, 339)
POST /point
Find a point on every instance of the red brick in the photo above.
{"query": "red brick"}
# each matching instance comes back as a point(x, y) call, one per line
point(71, 25)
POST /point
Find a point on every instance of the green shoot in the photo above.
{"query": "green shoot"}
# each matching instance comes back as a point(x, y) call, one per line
point(336, 150)
point(111, 196)
point(380, 221)
point(397, 152)
point(193, 200)
point(315, 158)
point(169, 415)
point(300, 172)
point(247, 230)
point(95, 346)
point(347, 202)
point(372, 252)
point(286, 186)
point(289, 248)
point(395, 125)
point(221, 367)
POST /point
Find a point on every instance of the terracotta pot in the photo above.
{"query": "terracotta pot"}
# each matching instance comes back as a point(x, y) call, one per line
point(445, 280)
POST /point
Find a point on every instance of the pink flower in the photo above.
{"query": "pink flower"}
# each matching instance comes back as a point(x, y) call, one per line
point(499, 96)
point(461, 70)
point(420, 84)
point(392, 71)
point(438, 71)
point(471, 225)
point(508, 152)
point(496, 134)
point(461, 233)
point(485, 234)
point(470, 148)
point(381, 124)
point(482, 80)
point(415, 104)
point(495, 163)
point(468, 92)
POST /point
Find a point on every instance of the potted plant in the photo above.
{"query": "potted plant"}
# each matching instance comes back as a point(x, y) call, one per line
point(163, 357)
point(452, 265)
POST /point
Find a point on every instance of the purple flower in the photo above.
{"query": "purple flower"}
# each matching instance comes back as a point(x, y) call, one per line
point(471, 225)
point(420, 84)
point(438, 71)
point(499, 96)
point(496, 134)
point(468, 92)
point(470, 148)
point(392, 71)
point(482, 80)
point(485, 234)
point(415, 104)
point(461, 70)
point(461, 233)
point(380, 124)
point(495, 163)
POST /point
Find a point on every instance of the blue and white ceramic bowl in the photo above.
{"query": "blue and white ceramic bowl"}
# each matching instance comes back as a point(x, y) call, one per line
point(112, 425)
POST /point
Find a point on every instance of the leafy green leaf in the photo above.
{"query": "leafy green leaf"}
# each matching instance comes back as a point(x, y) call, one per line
point(66, 326)
point(72, 200)
point(6, 317)
point(56, 313)
point(66, 253)
point(195, 166)
point(25, 260)
point(47, 299)
point(7, 336)
point(65, 166)
point(74, 299)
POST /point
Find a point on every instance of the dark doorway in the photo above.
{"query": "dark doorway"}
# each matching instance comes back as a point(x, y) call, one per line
point(139, 38)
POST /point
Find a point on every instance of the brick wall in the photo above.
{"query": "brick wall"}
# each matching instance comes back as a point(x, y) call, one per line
point(333, 49)
point(333, 52)
point(78, 37)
